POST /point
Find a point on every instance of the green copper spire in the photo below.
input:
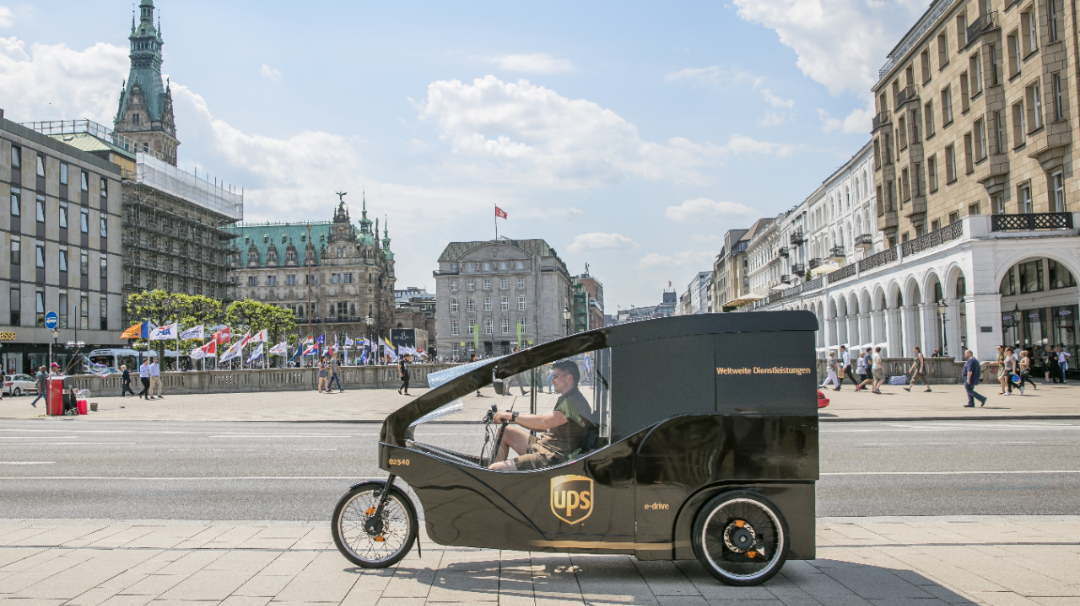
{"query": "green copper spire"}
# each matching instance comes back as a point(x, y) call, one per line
point(145, 58)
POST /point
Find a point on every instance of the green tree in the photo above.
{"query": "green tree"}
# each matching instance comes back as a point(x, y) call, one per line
point(252, 316)
point(159, 307)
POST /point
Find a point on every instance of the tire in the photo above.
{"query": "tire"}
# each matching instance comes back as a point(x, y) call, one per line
point(741, 538)
point(17, 392)
point(363, 548)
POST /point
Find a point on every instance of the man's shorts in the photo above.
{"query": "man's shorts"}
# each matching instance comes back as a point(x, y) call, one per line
point(879, 374)
point(538, 457)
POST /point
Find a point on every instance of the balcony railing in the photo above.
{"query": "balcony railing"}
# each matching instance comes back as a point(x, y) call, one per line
point(786, 279)
point(886, 256)
point(864, 241)
point(937, 237)
point(797, 237)
point(841, 274)
point(1031, 221)
point(908, 93)
point(814, 263)
point(783, 252)
point(798, 269)
point(981, 25)
point(836, 252)
point(881, 118)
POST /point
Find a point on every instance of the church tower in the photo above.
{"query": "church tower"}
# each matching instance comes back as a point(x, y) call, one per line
point(145, 114)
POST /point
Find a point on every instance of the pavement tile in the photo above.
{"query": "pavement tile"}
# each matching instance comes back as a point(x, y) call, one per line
point(247, 561)
point(233, 538)
point(122, 581)
point(55, 537)
point(207, 585)
point(11, 555)
point(93, 597)
point(154, 584)
point(263, 585)
point(128, 600)
point(399, 602)
point(289, 563)
point(324, 579)
point(201, 538)
point(29, 602)
point(191, 562)
point(665, 578)
point(1058, 601)
point(165, 538)
point(123, 537)
point(84, 575)
point(243, 600)
point(1003, 598)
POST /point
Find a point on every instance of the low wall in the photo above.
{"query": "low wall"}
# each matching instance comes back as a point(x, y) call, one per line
point(939, 371)
point(285, 379)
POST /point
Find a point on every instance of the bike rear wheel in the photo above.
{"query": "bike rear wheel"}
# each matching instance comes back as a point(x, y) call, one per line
point(369, 542)
point(741, 538)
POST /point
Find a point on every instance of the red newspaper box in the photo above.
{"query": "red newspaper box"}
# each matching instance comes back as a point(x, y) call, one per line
point(54, 396)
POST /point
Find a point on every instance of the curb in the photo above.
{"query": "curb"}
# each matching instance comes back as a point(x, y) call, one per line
point(964, 418)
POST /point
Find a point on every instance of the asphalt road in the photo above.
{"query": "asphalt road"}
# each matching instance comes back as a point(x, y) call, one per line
point(276, 471)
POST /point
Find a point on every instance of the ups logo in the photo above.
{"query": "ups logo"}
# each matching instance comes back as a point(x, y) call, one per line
point(571, 498)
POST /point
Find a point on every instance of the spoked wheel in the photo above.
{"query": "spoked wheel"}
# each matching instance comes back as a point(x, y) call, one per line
point(371, 541)
point(741, 538)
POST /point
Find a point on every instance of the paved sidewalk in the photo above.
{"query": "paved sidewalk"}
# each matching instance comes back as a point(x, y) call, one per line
point(373, 405)
point(861, 561)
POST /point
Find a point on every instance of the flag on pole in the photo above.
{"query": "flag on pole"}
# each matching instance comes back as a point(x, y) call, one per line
point(312, 350)
point(281, 349)
point(137, 331)
point(255, 355)
point(308, 341)
point(500, 213)
point(195, 332)
point(233, 351)
point(321, 340)
point(246, 339)
point(163, 333)
point(223, 336)
point(206, 351)
point(263, 336)
point(363, 357)
point(349, 342)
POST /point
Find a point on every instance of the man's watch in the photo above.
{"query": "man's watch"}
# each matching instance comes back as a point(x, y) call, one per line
point(513, 417)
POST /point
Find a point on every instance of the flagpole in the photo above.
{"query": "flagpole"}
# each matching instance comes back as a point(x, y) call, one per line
point(496, 222)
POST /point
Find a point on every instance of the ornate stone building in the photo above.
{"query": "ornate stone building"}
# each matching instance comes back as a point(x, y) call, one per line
point(351, 272)
point(145, 115)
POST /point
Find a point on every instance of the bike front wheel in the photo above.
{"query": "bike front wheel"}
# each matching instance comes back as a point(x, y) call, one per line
point(371, 542)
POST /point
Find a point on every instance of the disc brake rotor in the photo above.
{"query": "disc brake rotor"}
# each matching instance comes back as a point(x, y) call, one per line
point(739, 537)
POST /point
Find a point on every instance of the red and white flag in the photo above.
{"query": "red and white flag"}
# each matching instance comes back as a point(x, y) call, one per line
point(246, 339)
point(500, 213)
point(223, 336)
point(263, 336)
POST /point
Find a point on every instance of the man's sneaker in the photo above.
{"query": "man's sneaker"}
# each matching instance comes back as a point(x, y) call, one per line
point(1021, 390)
point(907, 389)
point(1006, 394)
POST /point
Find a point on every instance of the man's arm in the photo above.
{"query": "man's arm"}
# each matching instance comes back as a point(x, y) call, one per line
point(534, 422)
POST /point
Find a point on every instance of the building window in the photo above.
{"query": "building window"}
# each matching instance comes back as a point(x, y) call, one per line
point(41, 166)
point(1031, 277)
point(524, 325)
point(502, 266)
point(928, 119)
point(506, 326)
point(924, 63)
point(104, 188)
point(965, 93)
point(16, 206)
point(1031, 36)
point(39, 255)
point(504, 303)
point(453, 285)
point(104, 307)
point(997, 205)
point(504, 283)
point(976, 71)
point(40, 205)
point(521, 303)
point(104, 266)
point(1060, 276)
point(487, 303)
point(999, 132)
point(84, 312)
point(487, 266)
point(488, 326)
point(992, 51)
point(16, 158)
point(946, 106)
point(39, 308)
point(980, 139)
point(455, 328)
point(469, 285)
point(472, 328)
point(470, 304)
point(104, 227)
point(1059, 99)
point(1057, 193)
point(1034, 101)
point(16, 252)
point(942, 50)
point(454, 305)
point(519, 265)
point(521, 283)
point(969, 153)
point(62, 254)
point(84, 221)
point(63, 311)
point(1052, 19)
point(16, 305)
point(487, 284)
point(84, 181)
point(63, 174)
point(950, 164)
point(1015, 61)
point(931, 172)
point(1019, 124)
point(63, 215)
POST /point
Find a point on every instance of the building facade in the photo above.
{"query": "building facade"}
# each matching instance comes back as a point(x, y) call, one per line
point(62, 238)
point(331, 274)
point(489, 292)
point(145, 114)
point(727, 270)
point(588, 305)
point(415, 308)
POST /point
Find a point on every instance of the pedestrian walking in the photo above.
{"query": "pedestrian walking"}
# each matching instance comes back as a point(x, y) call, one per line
point(155, 378)
point(323, 379)
point(862, 368)
point(918, 371)
point(1010, 372)
point(845, 368)
point(144, 378)
point(472, 358)
point(971, 374)
point(1063, 361)
point(403, 374)
point(877, 370)
point(42, 379)
point(550, 378)
point(335, 375)
point(831, 366)
point(1025, 370)
point(1000, 367)
point(1050, 365)
point(125, 382)
point(516, 380)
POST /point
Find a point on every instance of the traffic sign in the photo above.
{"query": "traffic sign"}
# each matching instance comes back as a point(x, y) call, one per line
point(51, 320)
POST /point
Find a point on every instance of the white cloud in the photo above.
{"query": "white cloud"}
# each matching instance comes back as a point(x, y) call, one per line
point(6, 18)
point(270, 73)
point(56, 82)
point(858, 121)
point(535, 63)
point(773, 119)
point(601, 241)
point(714, 76)
point(521, 133)
point(775, 100)
point(840, 43)
point(688, 258)
point(704, 208)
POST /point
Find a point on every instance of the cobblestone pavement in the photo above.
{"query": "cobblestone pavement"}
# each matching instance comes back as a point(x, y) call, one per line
point(373, 405)
point(881, 561)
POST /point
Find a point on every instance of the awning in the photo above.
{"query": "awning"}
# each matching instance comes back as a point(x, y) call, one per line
point(743, 300)
point(826, 268)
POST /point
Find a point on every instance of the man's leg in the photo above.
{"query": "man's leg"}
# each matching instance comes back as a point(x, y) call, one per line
point(145, 387)
point(514, 438)
point(40, 395)
point(970, 395)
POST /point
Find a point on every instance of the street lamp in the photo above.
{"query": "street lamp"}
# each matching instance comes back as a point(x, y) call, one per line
point(566, 316)
point(943, 308)
point(370, 321)
point(1016, 323)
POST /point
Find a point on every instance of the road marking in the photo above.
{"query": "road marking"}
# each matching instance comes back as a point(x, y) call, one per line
point(189, 479)
point(27, 462)
point(284, 435)
point(73, 444)
point(944, 473)
point(38, 437)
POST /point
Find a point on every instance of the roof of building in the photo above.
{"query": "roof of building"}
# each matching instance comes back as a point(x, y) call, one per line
point(59, 146)
point(538, 248)
point(91, 144)
point(261, 234)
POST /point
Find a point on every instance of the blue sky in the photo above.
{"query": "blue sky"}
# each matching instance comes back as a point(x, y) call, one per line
point(629, 135)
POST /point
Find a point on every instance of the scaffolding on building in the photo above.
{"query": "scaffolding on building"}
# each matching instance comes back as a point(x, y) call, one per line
point(216, 196)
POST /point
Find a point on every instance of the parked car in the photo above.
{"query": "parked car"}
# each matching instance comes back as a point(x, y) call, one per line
point(822, 401)
point(17, 385)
